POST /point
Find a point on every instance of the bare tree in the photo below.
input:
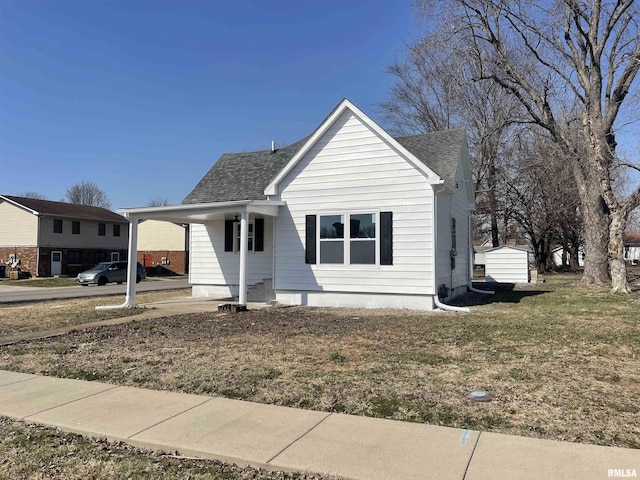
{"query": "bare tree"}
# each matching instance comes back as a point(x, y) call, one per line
point(434, 90)
point(545, 199)
point(158, 202)
point(559, 58)
point(34, 195)
point(87, 193)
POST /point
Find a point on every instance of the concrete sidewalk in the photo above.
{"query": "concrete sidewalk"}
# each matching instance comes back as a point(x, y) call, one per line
point(292, 439)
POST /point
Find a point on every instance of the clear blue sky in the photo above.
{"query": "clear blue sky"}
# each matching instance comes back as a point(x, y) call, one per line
point(142, 96)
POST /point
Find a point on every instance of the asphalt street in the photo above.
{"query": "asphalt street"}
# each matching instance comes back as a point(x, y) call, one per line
point(14, 294)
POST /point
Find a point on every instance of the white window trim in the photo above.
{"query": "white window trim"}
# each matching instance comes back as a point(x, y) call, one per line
point(346, 265)
point(251, 234)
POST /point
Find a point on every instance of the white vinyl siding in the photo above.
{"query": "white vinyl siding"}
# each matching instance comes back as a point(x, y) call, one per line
point(507, 264)
point(211, 265)
point(158, 235)
point(352, 170)
point(18, 227)
point(456, 206)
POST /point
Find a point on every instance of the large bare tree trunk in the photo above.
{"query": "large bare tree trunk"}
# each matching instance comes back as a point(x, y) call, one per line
point(596, 227)
point(616, 251)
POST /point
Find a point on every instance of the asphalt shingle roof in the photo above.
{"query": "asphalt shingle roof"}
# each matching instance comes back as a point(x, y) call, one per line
point(242, 176)
point(62, 209)
point(245, 175)
point(440, 151)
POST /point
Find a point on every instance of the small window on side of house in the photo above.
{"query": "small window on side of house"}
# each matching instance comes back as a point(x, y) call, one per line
point(102, 229)
point(57, 225)
point(75, 227)
point(74, 257)
point(116, 230)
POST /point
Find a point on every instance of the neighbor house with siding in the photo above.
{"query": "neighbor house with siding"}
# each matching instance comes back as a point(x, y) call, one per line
point(48, 238)
point(163, 247)
point(348, 216)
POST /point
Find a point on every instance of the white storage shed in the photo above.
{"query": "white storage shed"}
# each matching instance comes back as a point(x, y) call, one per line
point(507, 265)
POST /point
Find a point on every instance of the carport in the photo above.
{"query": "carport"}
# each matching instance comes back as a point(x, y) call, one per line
point(194, 213)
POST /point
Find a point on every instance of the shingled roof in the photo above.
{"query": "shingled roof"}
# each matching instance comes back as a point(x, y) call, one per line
point(440, 151)
point(62, 209)
point(245, 175)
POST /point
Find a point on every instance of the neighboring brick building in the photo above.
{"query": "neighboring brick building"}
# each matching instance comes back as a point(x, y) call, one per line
point(56, 238)
point(163, 247)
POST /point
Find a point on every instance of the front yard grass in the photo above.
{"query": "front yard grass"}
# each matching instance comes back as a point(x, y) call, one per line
point(41, 282)
point(562, 362)
point(16, 318)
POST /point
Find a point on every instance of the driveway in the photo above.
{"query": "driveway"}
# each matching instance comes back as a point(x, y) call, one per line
point(9, 294)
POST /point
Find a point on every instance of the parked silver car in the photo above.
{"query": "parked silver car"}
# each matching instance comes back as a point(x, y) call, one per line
point(107, 272)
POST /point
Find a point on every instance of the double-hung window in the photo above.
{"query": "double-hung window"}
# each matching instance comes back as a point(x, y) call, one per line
point(349, 238)
point(331, 238)
point(255, 235)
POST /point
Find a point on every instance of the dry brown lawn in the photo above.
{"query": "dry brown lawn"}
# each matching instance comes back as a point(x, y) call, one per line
point(562, 362)
point(35, 316)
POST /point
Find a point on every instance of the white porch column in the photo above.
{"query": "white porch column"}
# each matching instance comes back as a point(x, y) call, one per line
point(132, 266)
point(244, 240)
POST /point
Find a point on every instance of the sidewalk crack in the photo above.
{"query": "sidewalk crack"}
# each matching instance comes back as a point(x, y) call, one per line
point(168, 418)
point(466, 469)
point(298, 438)
point(70, 401)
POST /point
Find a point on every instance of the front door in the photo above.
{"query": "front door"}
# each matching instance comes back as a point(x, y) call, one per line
point(56, 264)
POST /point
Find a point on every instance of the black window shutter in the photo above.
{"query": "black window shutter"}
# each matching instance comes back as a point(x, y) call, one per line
point(310, 239)
point(259, 234)
point(228, 235)
point(386, 238)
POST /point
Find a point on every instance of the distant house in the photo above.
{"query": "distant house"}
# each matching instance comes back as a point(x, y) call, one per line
point(48, 238)
point(631, 247)
point(348, 216)
point(478, 253)
point(163, 247)
point(557, 256)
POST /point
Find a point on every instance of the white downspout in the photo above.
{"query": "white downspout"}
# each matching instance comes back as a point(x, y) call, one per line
point(451, 308)
point(436, 300)
point(486, 292)
point(244, 239)
point(132, 268)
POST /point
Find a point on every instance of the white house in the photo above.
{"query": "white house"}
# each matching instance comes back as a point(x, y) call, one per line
point(348, 216)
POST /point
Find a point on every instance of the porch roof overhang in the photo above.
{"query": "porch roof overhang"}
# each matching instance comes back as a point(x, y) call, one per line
point(203, 212)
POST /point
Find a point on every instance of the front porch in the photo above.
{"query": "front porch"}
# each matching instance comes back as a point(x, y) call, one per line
point(212, 217)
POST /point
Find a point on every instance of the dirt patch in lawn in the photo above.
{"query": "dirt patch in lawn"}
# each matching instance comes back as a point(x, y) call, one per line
point(562, 363)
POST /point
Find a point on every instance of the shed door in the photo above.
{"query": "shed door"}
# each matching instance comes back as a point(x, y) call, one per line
point(56, 263)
